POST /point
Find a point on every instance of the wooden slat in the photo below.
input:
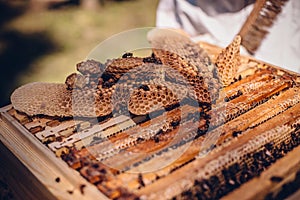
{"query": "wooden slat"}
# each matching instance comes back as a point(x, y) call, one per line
point(184, 178)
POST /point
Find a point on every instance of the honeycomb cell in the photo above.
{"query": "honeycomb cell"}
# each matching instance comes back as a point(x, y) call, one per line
point(228, 62)
point(90, 67)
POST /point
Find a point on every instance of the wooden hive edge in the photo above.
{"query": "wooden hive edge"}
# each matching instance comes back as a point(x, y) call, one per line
point(43, 163)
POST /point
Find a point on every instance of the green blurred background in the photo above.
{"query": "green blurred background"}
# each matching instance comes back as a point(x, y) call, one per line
point(42, 40)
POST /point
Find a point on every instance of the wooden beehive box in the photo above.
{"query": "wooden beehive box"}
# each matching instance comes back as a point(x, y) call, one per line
point(255, 156)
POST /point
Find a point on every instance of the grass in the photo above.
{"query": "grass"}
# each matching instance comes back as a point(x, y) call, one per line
point(71, 33)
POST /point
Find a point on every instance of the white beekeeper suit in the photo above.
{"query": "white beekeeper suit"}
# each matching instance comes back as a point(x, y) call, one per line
point(218, 21)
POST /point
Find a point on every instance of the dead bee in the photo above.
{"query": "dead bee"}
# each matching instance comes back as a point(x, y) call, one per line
point(127, 55)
